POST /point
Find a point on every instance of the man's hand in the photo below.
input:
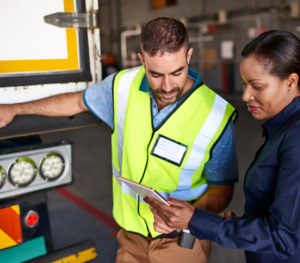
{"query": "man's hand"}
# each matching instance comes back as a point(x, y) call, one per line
point(228, 214)
point(7, 114)
point(176, 216)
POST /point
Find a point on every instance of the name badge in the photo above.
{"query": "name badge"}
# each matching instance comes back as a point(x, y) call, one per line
point(169, 150)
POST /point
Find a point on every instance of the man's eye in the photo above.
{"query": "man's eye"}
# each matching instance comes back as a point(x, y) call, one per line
point(155, 76)
point(177, 74)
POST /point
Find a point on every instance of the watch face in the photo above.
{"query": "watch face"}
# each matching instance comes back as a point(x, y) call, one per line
point(2, 176)
point(52, 166)
point(22, 172)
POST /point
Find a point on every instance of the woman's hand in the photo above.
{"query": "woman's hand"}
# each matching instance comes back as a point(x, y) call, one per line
point(176, 216)
point(228, 214)
point(159, 224)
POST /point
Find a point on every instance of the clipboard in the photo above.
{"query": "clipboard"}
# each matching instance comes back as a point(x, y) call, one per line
point(143, 190)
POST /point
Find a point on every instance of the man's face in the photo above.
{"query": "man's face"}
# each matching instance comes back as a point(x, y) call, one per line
point(167, 74)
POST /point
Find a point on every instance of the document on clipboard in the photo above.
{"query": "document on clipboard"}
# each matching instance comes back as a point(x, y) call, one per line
point(143, 190)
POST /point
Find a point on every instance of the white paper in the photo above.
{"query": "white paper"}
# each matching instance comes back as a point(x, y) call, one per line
point(25, 36)
point(142, 190)
point(227, 49)
point(169, 150)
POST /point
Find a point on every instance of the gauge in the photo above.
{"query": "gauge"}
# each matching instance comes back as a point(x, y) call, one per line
point(22, 172)
point(52, 166)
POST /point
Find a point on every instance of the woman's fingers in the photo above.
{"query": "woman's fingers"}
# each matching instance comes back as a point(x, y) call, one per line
point(160, 226)
point(176, 216)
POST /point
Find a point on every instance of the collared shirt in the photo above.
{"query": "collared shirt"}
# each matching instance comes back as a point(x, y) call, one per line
point(269, 231)
point(222, 169)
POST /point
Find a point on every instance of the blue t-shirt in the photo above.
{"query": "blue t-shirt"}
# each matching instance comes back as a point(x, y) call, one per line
point(221, 169)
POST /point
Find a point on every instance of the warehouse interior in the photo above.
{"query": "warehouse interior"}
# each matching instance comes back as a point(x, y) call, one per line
point(218, 31)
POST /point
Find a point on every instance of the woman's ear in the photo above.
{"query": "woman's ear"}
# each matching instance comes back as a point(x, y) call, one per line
point(292, 81)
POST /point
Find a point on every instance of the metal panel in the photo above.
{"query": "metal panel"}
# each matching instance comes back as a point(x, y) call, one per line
point(29, 124)
point(36, 153)
point(84, 74)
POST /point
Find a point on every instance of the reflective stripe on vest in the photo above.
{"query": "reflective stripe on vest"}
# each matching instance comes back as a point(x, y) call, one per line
point(201, 142)
point(123, 92)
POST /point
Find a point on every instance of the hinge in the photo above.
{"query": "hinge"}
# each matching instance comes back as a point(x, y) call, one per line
point(73, 20)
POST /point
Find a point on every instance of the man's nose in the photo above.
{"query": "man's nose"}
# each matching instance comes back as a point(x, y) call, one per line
point(167, 86)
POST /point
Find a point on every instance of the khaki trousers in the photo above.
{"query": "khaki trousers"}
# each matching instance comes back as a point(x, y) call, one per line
point(134, 248)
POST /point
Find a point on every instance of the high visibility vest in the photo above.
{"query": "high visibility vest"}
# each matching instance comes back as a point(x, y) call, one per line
point(197, 121)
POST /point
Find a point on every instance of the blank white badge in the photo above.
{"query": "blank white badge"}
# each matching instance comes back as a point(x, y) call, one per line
point(169, 150)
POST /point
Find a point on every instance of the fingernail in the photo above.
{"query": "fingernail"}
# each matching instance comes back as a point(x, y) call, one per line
point(170, 199)
point(146, 199)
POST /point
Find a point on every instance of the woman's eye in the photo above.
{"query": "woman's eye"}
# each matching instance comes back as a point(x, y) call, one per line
point(256, 87)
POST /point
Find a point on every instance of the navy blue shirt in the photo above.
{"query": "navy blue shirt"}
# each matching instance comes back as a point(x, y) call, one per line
point(269, 231)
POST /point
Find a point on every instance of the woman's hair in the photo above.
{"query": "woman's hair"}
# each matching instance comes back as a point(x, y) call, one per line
point(279, 52)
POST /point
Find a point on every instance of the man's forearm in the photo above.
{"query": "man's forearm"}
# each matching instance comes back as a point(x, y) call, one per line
point(216, 198)
point(60, 105)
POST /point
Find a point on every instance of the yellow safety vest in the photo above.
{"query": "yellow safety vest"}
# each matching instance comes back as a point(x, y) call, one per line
point(197, 122)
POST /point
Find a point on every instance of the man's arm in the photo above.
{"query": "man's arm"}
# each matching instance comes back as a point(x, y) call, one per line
point(216, 198)
point(67, 104)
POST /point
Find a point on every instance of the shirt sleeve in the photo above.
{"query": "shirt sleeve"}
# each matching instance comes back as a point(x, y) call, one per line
point(279, 231)
point(222, 168)
point(98, 99)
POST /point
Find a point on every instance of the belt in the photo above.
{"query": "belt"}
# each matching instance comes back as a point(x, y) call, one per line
point(173, 234)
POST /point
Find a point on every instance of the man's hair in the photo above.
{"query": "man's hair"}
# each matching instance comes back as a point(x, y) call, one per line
point(164, 35)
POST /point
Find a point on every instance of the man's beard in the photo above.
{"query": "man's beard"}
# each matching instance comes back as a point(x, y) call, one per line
point(161, 91)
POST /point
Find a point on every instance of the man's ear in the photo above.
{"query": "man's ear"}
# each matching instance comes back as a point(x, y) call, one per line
point(189, 54)
point(141, 59)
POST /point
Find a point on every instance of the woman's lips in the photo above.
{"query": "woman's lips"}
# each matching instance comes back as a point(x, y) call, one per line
point(253, 108)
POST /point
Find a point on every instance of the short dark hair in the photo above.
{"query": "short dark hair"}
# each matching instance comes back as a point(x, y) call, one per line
point(163, 35)
point(279, 52)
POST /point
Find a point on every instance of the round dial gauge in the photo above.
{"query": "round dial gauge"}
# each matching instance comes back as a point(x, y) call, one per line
point(52, 166)
point(22, 172)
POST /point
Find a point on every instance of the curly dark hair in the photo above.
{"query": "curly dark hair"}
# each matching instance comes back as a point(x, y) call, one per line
point(163, 35)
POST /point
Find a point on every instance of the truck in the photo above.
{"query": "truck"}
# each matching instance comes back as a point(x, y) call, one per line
point(47, 48)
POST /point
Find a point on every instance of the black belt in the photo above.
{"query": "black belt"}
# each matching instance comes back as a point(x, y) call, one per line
point(173, 234)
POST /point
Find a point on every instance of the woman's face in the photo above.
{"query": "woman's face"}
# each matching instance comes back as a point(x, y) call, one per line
point(265, 94)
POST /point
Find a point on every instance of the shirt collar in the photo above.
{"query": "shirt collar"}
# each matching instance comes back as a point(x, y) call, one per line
point(273, 125)
point(193, 74)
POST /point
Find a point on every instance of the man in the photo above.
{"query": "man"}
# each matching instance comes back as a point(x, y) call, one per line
point(170, 132)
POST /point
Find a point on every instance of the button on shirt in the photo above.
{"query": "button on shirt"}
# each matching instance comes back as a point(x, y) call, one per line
point(269, 231)
point(222, 169)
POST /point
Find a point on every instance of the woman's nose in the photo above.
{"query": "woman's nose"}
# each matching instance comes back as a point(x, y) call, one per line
point(247, 94)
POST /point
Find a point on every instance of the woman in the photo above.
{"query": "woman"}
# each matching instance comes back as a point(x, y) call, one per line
point(269, 231)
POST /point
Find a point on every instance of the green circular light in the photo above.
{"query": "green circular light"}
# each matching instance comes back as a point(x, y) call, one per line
point(52, 166)
point(22, 172)
point(2, 176)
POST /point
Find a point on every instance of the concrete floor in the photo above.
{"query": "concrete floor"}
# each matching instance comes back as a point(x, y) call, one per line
point(92, 171)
